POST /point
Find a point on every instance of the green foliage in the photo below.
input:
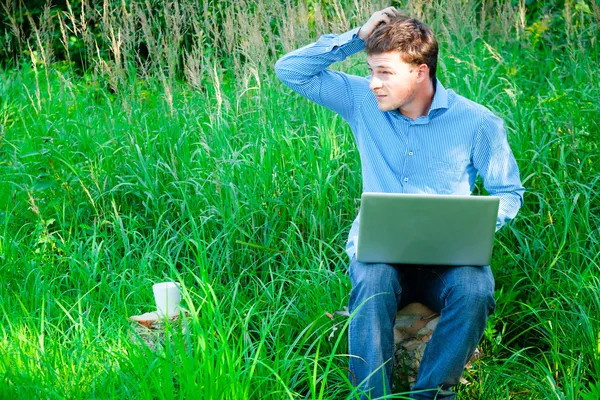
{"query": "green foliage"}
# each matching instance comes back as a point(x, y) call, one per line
point(593, 393)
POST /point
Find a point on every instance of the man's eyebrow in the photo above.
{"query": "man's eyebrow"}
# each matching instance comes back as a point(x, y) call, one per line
point(382, 66)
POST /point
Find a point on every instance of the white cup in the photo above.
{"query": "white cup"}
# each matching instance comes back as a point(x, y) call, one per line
point(167, 297)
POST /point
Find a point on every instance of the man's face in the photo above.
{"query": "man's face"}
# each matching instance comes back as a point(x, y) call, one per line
point(393, 82)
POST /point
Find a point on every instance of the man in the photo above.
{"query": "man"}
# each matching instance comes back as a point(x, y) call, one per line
point(413, 136)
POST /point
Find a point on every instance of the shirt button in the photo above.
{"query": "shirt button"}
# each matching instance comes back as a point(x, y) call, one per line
point(410, 153)
point(405, 179)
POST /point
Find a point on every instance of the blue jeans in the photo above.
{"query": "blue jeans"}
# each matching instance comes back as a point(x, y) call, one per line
point(464, 297)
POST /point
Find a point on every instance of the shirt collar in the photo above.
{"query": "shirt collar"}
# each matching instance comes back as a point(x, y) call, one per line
point(439, 102)
point(440, 98)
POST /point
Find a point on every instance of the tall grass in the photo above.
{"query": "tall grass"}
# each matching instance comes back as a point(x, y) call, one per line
point(194, 164)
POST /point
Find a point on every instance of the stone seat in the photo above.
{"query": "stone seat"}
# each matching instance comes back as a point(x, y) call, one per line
point(414, 326)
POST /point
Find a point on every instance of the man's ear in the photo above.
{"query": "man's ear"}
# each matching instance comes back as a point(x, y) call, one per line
point(423, 72)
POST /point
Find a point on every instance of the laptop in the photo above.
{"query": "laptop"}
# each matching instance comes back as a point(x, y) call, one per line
point(426, 229)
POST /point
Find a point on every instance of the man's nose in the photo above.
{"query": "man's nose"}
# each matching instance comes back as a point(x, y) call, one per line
point(375, 83)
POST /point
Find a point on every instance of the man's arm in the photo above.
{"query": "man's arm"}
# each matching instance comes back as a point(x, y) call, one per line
point(496, 164)
point(305, 70)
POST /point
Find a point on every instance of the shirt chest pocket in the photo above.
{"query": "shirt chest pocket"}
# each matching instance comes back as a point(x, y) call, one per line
point(442, 174)
point(445, 156)
point(452, 162)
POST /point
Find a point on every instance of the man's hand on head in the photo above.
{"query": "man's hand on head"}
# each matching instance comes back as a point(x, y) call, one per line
point(378, 17)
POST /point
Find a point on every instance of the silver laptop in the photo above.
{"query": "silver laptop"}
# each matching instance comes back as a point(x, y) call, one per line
point(426, 229)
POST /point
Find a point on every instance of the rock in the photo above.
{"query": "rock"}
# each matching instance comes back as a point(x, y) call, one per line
point(414, 326)
point(151, 328)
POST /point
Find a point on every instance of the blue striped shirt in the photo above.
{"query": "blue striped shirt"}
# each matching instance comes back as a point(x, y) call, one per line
point(440, 153)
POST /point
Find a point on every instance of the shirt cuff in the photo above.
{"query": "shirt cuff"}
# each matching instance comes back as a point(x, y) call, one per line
point(350, 43)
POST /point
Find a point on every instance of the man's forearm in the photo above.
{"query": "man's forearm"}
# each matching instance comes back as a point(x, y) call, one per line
point(305, 72)
point(298, 67)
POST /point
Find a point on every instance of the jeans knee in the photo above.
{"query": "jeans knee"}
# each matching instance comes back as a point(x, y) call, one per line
point(476, 297)
point(374, 278)
point(376, 283)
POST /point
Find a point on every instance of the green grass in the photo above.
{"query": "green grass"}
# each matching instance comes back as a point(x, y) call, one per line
point(244, 193)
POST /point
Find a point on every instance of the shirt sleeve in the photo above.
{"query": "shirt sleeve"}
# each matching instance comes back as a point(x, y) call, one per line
point(305, 72)
point(496, 164)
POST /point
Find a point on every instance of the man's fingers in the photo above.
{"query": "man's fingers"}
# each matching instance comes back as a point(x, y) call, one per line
point(385, 19)
point(389, 11)
point(378, 18)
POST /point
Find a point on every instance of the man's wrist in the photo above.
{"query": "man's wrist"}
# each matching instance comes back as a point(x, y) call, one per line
point(350, 42)
point(359, 34)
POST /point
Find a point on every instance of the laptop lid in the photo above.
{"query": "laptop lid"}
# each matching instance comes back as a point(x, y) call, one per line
point(427, 229)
